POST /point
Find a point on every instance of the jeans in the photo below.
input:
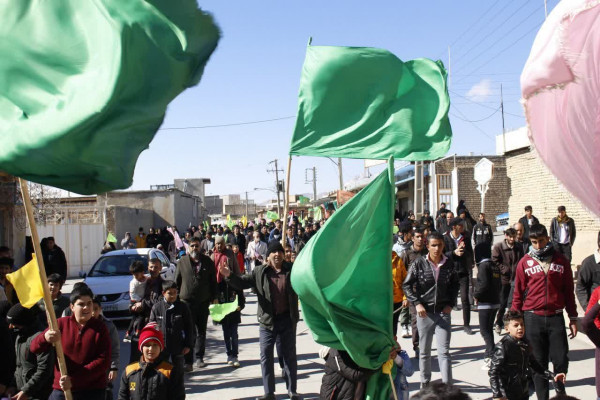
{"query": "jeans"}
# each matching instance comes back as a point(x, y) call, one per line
point(564, 249)
point(440, 324)
point(94, 394)
point(413, 325)
point(200, 317)
point(230, 334)
point(548, 340)
point(284, 329)
point(486, 328)
point(504, 295)
point(464, 282)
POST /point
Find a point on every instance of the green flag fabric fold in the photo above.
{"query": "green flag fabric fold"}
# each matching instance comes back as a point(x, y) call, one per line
point(219, 311)
point(346, 294)
point(85, 84)
point(362, 102)
point(272, 215)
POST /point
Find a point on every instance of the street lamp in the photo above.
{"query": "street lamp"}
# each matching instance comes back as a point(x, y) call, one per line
point(274, 191)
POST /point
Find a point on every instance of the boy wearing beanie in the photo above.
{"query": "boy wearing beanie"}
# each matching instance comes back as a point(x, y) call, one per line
point(152, 378)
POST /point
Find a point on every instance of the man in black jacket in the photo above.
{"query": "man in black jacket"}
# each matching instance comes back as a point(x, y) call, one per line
point(482, 235)
point(277, 314)
point(196, 278)
point(54, 258)
point(588, 277)
point(562, 233)
point(460, 253)
point(528, 220)
point(432, 286)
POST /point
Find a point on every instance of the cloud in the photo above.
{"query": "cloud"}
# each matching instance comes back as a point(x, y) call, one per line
point(480, 91)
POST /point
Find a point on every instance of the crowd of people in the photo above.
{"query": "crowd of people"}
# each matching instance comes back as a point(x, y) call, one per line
point(519, 286)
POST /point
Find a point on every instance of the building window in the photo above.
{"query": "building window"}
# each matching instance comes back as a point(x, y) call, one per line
point(444, 190)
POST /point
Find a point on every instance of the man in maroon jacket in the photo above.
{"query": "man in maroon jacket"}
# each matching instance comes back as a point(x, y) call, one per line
point(86, 344)
point(543, 290)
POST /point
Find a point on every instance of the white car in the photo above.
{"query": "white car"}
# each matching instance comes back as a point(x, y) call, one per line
point(109, 278)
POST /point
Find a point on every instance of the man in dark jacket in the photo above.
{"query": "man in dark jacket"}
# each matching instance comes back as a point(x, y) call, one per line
point(240, 240)
point(152, 239)
point(196, 278)
point(277, 314)
point(459, 251)
point(562, 233)
point(506, 255)
point(432, 286)
point(343, 378)
point(482, 235)
point(54, 258)
point(528, 220)
point(34, 373)
point(543, 291)
point(588, 277)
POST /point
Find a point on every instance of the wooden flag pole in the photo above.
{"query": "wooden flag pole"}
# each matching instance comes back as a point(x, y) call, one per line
point(52, 323)
point(286, 203)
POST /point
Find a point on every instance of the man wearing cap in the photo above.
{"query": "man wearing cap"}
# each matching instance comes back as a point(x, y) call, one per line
point(196, 278)
point(152, 377)
point(459, 250)
point(277, 314)
point(33, 376)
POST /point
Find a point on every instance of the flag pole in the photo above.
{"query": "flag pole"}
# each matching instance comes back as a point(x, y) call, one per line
point(52, 323)
point(286, 202)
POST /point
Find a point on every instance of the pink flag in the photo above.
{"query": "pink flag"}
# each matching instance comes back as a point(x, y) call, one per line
point(178, 241)
point(560, 85)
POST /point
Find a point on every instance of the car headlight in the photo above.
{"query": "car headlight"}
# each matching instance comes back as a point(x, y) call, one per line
point(126, 296)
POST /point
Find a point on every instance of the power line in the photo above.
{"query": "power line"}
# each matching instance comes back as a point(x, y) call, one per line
point(472, 123)
point(225, 125)
point(482, 119)
point(482, 105)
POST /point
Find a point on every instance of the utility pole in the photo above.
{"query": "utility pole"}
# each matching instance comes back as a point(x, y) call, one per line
point(502, 112)
point(340, 173)
point(449, 69)
point(276, 170)
point(246, 204)
point(313, 180)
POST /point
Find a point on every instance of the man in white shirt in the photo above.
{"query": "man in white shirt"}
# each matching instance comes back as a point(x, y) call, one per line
point(256, 252)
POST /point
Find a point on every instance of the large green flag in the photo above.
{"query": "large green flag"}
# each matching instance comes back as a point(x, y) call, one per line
point(346, 294)
point(362, 102)
point(84, 85)
point(272, 215)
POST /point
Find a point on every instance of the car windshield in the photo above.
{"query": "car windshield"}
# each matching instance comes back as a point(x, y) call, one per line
point(116, 265)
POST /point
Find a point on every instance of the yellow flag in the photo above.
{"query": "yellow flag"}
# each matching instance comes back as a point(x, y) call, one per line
point(245, 221)
point(27, 283)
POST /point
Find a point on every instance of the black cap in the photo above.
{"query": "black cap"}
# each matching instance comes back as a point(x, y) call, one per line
point(19, 315)
point(274, 246)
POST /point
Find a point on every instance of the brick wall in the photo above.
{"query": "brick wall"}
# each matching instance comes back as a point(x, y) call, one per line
point(534, 185)
point(496, 198)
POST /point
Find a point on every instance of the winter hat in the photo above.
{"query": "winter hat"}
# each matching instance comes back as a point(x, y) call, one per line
point(19, 315)
point(274, 246)
point(149, 333)
point(219, 239)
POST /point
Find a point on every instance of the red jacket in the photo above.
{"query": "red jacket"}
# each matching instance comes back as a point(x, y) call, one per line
point(87, 353)
point(593, 301)
point(545, 294)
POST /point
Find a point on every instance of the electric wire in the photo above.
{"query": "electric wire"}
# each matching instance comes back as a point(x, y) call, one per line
point(226, 125)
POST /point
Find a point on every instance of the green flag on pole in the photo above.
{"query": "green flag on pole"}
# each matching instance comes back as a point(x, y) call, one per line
point(362, 102)
point(111, 238)
point(346, 295)
point(272, 215)
point(85, 84)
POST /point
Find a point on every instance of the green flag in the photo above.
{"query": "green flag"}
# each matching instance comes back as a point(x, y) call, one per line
point(346, 294)
point(111, 238)
point(362, 102)
point(84, 85)
point(220, 311)
point(272, 215)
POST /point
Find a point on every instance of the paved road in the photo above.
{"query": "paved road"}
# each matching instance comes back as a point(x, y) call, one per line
point(218, 381)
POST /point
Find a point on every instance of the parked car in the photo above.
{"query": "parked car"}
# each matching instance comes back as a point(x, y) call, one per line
point(109, 278)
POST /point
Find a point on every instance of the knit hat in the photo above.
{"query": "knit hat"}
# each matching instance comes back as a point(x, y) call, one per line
point(19, 315)
point(274, 246)
point(151, 332)
point(219, 239)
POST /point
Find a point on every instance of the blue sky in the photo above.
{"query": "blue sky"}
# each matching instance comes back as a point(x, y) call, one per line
point(254, 74)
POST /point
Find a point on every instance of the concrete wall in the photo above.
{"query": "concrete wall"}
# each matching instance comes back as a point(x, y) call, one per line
point(126, 219)
point(534, 185)
point(186, 211)
point(496, 198)
point(213, 205)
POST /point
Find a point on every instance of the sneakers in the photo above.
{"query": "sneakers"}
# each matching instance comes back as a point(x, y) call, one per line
point(200, 363)
point(234, 362)
point(486, 364)
point(229, 360)
point(405, 332)
point(188, 368)
point(127, 338)
point(468, 330)
point(498, 329)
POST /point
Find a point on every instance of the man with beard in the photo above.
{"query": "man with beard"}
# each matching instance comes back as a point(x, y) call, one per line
point(197, 281)
point(521, 240)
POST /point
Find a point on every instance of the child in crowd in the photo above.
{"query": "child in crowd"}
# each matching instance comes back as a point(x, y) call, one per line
point(404, 369)
point(174, 320)
point(137, 289)
point(512, 360)
point(239, 256)
point(152, 378)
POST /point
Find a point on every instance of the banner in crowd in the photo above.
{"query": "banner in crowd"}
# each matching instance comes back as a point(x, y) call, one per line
point(362, 102)
point(27, 283)
point(87, 88)
point(346, 294)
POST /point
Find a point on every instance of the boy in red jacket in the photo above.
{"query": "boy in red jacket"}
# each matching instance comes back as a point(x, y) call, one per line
point(543, 290)
point(86, 344)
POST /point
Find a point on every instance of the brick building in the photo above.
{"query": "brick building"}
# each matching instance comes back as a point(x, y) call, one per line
point(533, 184)
point(452, 179)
